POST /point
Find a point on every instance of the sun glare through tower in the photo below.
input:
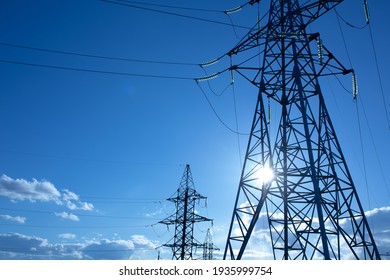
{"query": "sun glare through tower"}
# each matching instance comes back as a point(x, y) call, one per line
point(297, 176)
point(265, 174)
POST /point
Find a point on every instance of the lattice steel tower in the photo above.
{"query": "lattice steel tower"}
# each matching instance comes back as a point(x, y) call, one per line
point(184, 219)
point(208, 246)
point(310, 200)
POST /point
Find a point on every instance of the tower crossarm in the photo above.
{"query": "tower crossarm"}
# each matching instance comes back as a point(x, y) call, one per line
point(171, 220)
point(309, 13)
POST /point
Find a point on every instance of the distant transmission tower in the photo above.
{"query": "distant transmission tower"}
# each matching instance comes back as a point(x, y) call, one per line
point(184, 219)
point(298, 178)
point(208, 246)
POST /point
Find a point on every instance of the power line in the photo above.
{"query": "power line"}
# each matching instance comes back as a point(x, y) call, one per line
point(119, 200)
point(225, 12)
point(94, 70)
point(375, 55)
point(124, 202)
point(348, 23)
point(172, 14)
point(74, 227)
point(215, 112)
point(375, 148)
point(90, 159)
point(171, 7)
point(359, 121)
point(98, 56)
point(79, 248)
point(379, 77)
point(81, 215)
point(42, 251)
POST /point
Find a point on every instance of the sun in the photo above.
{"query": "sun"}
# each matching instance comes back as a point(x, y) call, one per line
point(264, 174)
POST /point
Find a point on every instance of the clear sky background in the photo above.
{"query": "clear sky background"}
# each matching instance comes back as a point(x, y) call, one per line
point(91, 147)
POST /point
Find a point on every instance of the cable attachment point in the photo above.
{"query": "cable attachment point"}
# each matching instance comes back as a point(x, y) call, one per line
point(320, 50)
point(206, 78)
point(232, 11)
point(252, 2)
point(366, 12)
point(209, 63)
point(354, 85)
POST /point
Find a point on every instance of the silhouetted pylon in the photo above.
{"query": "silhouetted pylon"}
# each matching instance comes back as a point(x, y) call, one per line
point(184, 243)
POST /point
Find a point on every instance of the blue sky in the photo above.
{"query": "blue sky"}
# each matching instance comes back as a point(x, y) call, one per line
point(88, 157)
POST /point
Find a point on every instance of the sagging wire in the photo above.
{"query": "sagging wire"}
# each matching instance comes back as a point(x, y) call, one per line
point(131, 5)
point(215, 112)
point(366, 15)
point(208, 77)
point(156, 233)
point(235, 111)
point(235, 10)
point(355, 96)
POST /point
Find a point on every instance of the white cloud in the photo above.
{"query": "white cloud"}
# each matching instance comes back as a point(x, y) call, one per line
point(17, 219)
point(67, 236)
point(40, 191)
point(140, 241)
point(143, 248)
point(68, 195)
point(19, 246)
point(73, 202)
point(379, 220)
point(109, 249)
point(67, 216)
point(21, 189)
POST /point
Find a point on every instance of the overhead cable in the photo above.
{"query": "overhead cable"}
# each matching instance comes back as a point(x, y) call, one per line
point(170, 6)
point(78, 214)
point(94, 70)
point(379, 78)
point(172, 13)
point(215, 112)
point(98, 56)
point(348, 23)
point(73, 227)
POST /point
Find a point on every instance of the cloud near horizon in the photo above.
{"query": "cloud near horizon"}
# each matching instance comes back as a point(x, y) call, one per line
point(17, 246)
point(67, 236)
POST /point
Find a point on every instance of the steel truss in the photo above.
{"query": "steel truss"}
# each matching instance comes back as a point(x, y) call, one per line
point(311, 206)
point(184, 219)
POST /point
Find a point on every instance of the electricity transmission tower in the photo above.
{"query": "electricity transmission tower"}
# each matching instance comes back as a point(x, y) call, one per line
point(184, 219)
point(309, 199)
point(208, 246)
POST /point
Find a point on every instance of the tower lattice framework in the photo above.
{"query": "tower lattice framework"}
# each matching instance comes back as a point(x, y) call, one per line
point(208, 246)
point(184, 219)
point(311, 205)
